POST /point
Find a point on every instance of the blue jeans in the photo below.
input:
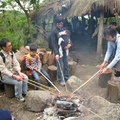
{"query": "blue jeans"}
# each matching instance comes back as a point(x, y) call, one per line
point(63, 61)
point(20, 87)
point(36, 75)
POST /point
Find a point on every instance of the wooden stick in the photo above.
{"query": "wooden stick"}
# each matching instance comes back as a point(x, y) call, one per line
point(38, 86)
point(86, 82)
point(50, 82)
point(62, 75)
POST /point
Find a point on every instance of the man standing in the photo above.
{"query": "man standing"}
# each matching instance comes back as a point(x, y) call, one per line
point(10, 70)
point(60, 47)
point(113, 52)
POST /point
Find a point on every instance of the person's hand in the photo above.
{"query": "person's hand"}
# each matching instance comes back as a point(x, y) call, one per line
point(68, 46)
point(36, 69)
point(57, 57)
point(21, 75)
point(104, 70)
point(17, 77)
point(103, 65)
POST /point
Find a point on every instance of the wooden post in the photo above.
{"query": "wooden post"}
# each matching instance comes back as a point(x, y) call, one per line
point(72, 67)
point(51, 59)
point(1, 86)
point(52, 71)
point(113, 91)
point(100, 34)
point(104, 78)
point(9, 90)
point(45, 58)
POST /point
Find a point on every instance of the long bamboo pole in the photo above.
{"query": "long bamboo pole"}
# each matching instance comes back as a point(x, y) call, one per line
point(37, 86)
point(86, 82)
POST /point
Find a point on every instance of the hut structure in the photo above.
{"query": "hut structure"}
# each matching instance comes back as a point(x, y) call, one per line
point(71, 8)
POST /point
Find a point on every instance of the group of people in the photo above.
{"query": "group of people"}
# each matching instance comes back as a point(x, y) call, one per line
point(10, 68)
point(60, 43)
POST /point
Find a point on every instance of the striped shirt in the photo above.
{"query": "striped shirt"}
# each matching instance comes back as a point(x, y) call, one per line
point(34, 63)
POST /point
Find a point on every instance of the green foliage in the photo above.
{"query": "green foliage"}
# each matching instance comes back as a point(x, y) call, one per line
point(14, 28)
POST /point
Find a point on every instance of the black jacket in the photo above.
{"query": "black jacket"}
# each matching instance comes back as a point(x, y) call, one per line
point(54, 39)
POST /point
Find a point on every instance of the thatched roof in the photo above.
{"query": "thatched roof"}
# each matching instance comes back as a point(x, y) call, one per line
point(81, 7)
point(76, 7)
point(51, 8)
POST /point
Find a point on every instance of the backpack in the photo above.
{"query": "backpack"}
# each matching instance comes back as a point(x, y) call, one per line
point(3, 57)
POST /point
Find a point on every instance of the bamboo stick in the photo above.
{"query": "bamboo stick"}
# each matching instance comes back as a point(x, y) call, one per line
point(86, 82)
point(38, 86)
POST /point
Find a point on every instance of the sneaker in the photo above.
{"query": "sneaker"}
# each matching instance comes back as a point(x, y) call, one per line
point(62, 83)
point(22, 99)
point(117, 79)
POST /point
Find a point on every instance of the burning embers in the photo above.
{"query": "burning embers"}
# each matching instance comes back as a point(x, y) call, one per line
point(63, 107)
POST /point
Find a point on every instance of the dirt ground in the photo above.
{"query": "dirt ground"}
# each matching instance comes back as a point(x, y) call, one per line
point(87, 66)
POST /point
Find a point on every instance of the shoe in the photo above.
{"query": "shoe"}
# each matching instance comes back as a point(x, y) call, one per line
point(22, 99)
point(117, 79)
point(62, 83)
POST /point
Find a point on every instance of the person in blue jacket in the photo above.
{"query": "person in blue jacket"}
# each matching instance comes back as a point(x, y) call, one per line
point(112, 56)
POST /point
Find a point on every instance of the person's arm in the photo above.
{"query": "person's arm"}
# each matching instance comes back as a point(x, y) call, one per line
point(39, 64)
point(17, 68)
point(117, 56)
point(109, 52)
point(3, 68)
point(114, 61)
point(110, 49)
point(54, 42)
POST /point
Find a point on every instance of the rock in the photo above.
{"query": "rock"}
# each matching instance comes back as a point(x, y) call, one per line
point(91, 117)
point(37, 101)
point(73, 83)
point(111, 112)
point(97, 102)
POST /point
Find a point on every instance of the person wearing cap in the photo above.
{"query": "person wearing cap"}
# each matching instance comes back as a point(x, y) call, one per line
point(60, 44)
point(34, 65)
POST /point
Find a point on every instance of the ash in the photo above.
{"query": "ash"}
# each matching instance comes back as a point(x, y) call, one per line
point(62, 107)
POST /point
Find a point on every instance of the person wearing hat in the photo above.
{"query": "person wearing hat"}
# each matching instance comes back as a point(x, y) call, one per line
point(34, 65)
